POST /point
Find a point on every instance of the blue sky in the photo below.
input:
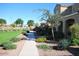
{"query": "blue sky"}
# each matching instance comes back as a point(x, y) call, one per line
point(13, 11)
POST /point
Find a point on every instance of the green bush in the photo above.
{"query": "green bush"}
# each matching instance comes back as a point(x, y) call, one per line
point(75, 42)
point(63, 44)
point(8, 45)
point(75, 34)
point(45, 47)
point(41, 39)
point(15, 39)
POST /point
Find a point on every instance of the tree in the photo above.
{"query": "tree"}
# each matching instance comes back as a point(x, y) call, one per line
point(54, 21)
point(50, 18)
point(30, 23)
point(19, 21)
point(2, 21)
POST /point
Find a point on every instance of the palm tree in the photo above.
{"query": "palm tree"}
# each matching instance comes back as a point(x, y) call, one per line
point(19, 21)
point(30, 23)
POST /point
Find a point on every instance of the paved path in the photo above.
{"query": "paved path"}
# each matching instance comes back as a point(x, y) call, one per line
point(29, 48)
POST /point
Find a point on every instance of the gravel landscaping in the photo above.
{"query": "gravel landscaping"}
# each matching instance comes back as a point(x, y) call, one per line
point(52, 52)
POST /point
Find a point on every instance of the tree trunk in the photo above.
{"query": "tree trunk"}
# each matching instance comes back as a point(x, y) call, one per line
point(53, 34)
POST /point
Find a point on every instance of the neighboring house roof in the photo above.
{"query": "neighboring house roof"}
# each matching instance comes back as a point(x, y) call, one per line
point(66, 4)
point(72, 9)
point(60, 8)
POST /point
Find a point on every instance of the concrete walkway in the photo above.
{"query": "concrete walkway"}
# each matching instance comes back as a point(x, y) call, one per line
point(29, 48)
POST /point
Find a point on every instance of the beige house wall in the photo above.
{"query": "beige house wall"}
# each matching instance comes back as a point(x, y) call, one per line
point(68, 13)
point(62, 9)
point(59, 9)
point(75, 17)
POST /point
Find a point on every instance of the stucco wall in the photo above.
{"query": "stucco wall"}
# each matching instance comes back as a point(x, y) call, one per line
point(62, 9)
point(75, 17)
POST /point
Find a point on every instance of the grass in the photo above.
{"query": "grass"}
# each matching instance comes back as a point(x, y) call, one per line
point(6, 36)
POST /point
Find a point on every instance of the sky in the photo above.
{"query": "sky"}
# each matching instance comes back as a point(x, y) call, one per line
point(26, 11)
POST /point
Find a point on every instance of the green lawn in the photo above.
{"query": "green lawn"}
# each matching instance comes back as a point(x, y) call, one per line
point(6, 36)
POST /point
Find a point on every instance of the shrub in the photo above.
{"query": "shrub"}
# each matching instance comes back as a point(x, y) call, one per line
point(45, 47)
point(75, 42)
point(75, 34)
point(15, 39)
point(41, 39)
point(63, 44)
point(8, 45)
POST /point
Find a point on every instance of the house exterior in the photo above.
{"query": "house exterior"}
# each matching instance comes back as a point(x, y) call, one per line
point(70, 15)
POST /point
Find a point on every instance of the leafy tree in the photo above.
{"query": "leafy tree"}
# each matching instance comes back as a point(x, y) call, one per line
point(2, 21)
point(30, 23)
point(19, 22)
point(50, 18)
point(54, 21)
